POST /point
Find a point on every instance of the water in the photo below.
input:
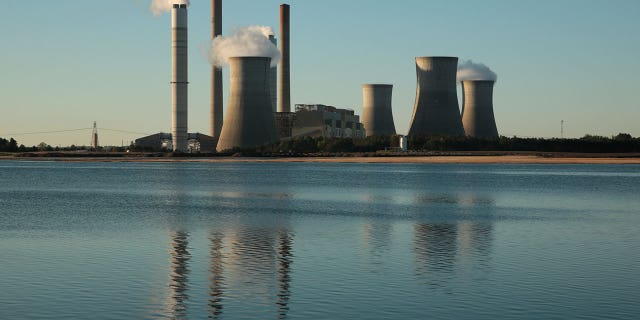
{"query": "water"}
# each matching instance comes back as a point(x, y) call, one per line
point(318, 241)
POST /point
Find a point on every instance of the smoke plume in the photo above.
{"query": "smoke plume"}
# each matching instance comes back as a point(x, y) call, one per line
point(159, 7)
point(252, 41)
point(469, 70)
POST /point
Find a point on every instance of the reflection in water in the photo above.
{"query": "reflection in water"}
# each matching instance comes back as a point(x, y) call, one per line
point(178, 278)
point(259, 254)
point(377, 236)
point(216, 278)
point(285, 258)
point(250, 263)
point(441, 248)
point(435, 247)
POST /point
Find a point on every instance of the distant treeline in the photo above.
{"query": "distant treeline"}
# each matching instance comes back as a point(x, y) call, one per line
point(622, 143)
point(11, 145)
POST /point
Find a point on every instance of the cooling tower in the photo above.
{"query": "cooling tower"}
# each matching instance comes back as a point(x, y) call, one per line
point(477, 109)
point(285, 72)
point(250, 121)
point(377, 116)
point(217, 112)
point(436, 111)
point(179, 77)
point(273, 80)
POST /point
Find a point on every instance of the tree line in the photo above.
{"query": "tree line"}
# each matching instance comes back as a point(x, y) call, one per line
point(621, 143)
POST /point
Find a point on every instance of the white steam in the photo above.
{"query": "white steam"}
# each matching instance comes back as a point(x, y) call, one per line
point(266, 31)
point(469, 70)
point(159, 7)
point(250, 41)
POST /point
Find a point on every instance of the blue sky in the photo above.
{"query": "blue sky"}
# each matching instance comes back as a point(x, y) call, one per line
point(67, 63)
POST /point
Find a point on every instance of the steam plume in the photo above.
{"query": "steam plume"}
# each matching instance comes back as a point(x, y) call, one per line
point(469, 70)
point(252, 41)
point(158, 7)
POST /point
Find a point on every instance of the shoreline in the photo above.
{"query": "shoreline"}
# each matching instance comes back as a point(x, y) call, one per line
point(461, 158)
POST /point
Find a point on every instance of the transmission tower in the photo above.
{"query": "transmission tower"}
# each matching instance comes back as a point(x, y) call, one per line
point(94, 137)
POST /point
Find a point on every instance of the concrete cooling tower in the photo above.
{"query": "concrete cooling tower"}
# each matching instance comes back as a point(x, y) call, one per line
point(179, 77)
point(250, 121)
point(377, 116)
point(436, 111)
point(477, 109)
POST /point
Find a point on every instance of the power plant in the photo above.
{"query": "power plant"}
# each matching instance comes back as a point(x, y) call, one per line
point(258, 98)
point(285, 71)
point(179, 77)
point(436, 110)
point(477, 109)
point(377, 115)
point(217, 112)
point(250, 121)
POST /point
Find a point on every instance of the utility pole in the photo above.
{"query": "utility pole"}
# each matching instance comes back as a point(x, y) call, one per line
point(562, 129)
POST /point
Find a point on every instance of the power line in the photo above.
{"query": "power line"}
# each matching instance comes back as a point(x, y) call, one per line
point(70, 130)
point(124, 131)
point(44, 132)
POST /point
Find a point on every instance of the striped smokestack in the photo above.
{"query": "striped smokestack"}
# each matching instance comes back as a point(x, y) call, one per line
point(179, 77)
point(217, 112)
point(284, 104)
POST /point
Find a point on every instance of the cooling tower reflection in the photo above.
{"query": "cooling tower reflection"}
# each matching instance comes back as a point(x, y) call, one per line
point(245, 264)
point(458, 244)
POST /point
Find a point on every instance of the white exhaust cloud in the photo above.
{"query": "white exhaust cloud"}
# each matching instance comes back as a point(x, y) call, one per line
point(469, 70)
point(159, 7)
point(252, 41)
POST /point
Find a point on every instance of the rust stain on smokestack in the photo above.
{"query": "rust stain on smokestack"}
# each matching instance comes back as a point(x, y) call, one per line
point(284, 103)
point(217, 115)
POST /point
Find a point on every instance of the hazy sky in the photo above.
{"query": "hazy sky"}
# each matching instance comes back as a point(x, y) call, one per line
point(67, 63)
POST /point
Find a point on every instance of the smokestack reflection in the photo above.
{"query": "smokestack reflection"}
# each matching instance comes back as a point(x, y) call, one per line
point(216, 277)
point(179, 257)
point(285, 258)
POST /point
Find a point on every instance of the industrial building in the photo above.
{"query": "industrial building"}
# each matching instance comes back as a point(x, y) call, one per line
point(377, 115)
point(250, 119)
point(196, 142)
point(477, 109)
point(317, 120)
point(284, 123)
point(436, 110)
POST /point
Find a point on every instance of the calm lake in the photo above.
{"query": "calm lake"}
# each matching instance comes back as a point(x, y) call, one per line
point(318, 241)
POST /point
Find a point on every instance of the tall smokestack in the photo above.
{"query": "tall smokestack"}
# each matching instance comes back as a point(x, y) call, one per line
point(250, 121)
point(377, 116)
point(273, 79)
point(217, 113)
point(285, 73)
point(477, 109)
point(179, 77)
point(436, 111)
